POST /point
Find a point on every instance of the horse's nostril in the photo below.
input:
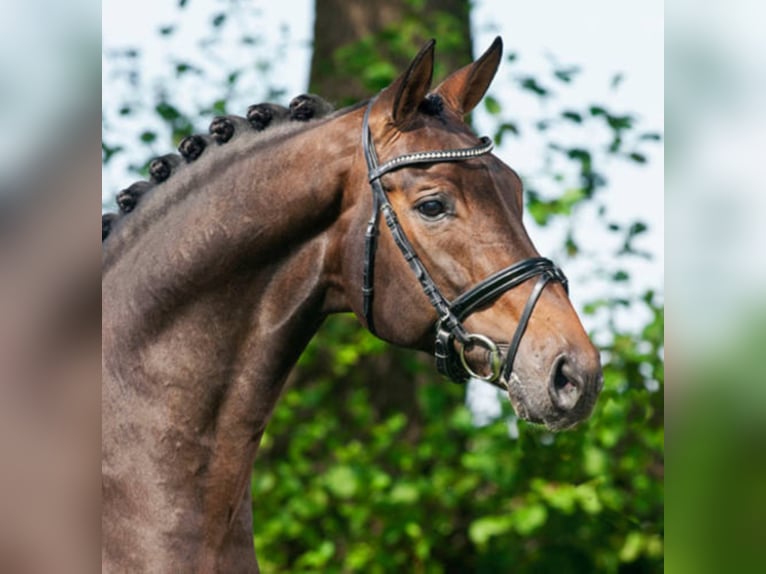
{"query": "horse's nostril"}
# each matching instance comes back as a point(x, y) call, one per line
point(563, 384)
point(566, 386)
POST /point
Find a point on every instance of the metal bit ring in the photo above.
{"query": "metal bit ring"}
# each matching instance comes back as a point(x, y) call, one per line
point(495, 362)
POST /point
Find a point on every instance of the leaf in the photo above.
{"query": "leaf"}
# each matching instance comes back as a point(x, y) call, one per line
point(167, 112)
point(637, 157)
point(167, 30)
point(527, 519)
point(572, 116)
point(619, 122)
point(631, 548)
point(539, 211)
point(592, 307)
point(637, 228)
point(571, 246)
point(218, 20)
point(379, 74)
point(531, 84)
point(567, 74)
point(319, 557)
point(184, 129)
point(486, 527)
point(588, 497)
point(404, 493)
point(341, 481)
point(581, 155)
point(502, 129)
point(107, 152)
point(219, 107)
point(595, 461)
point(492, 105)
point(569, 199)
point(562, 497)
point(148, 136)
point(650, 136)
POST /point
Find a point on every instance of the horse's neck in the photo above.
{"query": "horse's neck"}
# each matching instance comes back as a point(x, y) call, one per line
point(243, 215)
point(206, 312)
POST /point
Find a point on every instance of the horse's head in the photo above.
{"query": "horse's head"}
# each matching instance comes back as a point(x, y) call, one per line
point(452, 269)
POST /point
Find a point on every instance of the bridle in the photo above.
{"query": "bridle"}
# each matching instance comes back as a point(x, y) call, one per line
point(449, 326)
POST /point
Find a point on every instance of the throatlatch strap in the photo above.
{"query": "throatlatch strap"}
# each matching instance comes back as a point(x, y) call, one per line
point(368, 273)
point(371, 234)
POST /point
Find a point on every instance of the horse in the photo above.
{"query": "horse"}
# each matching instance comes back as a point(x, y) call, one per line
point(220, 269)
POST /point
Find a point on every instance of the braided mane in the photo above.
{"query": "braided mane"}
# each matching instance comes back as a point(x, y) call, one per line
point(222, 130)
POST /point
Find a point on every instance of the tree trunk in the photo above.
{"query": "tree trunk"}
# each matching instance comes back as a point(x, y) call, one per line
point(361, 45)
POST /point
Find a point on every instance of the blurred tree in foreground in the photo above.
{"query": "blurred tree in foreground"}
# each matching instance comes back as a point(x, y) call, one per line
point(351, 476)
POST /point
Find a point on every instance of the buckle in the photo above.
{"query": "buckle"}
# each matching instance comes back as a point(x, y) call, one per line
point(495, 362)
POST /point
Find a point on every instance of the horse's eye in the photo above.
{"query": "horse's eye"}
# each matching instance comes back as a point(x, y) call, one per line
point(432, 208)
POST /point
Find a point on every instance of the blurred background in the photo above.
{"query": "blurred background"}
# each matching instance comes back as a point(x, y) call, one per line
point(349, 477)
point(716, 86)
point(373, 462)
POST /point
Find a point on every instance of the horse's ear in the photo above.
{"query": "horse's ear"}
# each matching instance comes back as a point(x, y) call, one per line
point(402, 98)
point(465, 88)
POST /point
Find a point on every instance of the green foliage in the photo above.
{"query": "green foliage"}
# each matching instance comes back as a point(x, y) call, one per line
point(377, 59)
point(154, 115)
point(340, 486)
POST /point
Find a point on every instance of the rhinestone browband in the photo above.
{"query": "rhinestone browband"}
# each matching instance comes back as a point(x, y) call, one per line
point(484, 147)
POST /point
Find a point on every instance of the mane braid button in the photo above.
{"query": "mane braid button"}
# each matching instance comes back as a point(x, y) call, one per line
point(306, 107)
point(191, 147)
point(129, 197)
point(162, 167)
point(221, 129)
point(265, 115)
point(259, 116)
